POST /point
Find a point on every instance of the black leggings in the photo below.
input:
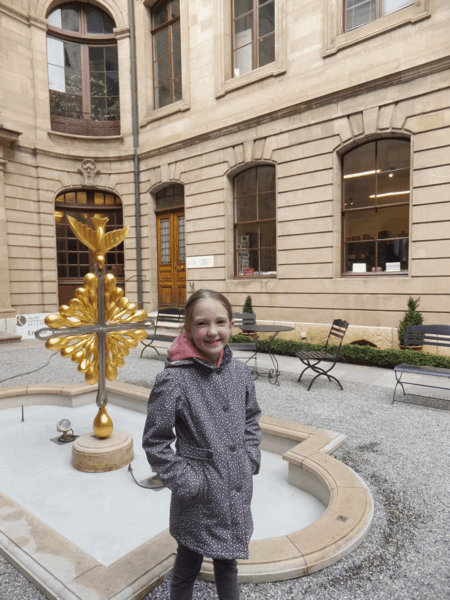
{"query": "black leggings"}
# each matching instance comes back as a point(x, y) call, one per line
point(186, 568)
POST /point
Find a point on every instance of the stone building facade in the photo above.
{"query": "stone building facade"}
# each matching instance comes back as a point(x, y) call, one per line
point(330, 94)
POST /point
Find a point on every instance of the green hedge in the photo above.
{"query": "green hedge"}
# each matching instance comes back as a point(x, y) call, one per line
point(352, 354)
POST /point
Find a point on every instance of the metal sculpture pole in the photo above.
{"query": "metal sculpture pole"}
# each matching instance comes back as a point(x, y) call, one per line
point(99, 326)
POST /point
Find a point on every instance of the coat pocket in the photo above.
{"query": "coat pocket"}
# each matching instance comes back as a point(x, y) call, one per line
point(196, 453)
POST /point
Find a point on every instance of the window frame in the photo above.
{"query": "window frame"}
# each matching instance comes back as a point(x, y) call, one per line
point(168, 25)
point(144, 57)
point(255, 35)
point(225, 82)
point(257, 222)
point(404, 273)
point(86, 40)
point(335, 38)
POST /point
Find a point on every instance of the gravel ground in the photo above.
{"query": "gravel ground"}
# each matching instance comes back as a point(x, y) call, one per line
point(401, 451)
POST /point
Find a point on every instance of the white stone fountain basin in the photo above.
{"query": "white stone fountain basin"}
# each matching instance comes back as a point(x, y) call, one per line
point(76, 538)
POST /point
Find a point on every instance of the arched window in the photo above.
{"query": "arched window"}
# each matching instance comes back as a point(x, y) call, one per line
point(74, 259)
point(253, 34)
point(167, 82)
point(255, 221)
point(83, 71)
point(375, 209)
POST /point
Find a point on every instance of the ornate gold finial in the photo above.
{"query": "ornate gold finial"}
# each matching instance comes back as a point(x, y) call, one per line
point(82, 311)
point(99, 326)
point(97, 239)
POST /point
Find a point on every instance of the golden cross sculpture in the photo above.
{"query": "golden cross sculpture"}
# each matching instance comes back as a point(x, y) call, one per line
point(99, 326)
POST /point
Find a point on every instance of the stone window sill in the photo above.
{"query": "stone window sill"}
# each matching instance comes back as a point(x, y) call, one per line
point(271, 70)
point(59, 136)
point(165, 111)
point(335, 39)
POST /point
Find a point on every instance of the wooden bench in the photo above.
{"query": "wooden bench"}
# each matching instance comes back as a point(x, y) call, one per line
point(423, 335)
point(167, 328)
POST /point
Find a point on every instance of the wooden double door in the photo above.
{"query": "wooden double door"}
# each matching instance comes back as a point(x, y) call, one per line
point(171, 259)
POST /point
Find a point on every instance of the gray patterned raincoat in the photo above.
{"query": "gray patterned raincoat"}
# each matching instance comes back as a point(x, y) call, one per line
point(215, 415)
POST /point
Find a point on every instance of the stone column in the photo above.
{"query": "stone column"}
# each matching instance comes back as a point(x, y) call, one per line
point(7, 138)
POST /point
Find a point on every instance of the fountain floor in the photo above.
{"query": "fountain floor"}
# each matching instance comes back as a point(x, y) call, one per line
point(95, 536)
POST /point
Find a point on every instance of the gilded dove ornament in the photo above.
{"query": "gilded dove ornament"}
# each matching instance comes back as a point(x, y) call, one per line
point(97, 239)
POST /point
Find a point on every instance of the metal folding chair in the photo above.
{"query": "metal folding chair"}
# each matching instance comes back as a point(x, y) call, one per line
point(311, 358)
point(241, 320)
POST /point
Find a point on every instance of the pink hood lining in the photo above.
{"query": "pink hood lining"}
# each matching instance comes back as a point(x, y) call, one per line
point(182, 348)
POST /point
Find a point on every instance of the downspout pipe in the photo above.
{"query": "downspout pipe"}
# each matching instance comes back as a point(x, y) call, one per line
point(135, 121)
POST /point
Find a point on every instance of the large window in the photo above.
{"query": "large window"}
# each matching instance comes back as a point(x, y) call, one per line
point(255, 224)
point(73, 258)
point(83, 71)
point(253, 34)
point(361, 12)
point(375, 211)
point(166, 52)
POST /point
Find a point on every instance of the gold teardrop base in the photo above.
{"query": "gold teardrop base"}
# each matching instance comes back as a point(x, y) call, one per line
point(103, 425)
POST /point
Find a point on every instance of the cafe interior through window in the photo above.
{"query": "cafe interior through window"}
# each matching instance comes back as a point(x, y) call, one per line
point(375, 212)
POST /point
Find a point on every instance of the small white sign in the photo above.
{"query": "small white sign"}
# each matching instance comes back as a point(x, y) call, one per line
point(199, 262)
point(359, 267)
point(26, 325)
point(393, 266)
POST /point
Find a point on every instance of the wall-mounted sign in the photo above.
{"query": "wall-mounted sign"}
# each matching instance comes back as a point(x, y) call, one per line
point(199, 262)
point(26, 325)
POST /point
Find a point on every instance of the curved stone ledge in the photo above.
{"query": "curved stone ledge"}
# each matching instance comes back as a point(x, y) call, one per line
point(340, 530)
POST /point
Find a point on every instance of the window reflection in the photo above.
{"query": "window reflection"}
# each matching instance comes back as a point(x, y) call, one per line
point(255, 224)
point(376, 195)
point(253, 34)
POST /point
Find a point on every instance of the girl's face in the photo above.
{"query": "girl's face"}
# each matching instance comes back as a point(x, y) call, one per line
point(210, 328)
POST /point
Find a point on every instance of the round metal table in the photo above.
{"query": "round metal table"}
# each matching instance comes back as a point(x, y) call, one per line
point(275, 330)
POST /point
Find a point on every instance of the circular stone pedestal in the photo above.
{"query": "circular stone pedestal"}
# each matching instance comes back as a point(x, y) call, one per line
point(94, 455)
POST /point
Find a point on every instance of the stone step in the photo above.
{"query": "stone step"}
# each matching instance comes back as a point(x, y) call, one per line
point(9, 337)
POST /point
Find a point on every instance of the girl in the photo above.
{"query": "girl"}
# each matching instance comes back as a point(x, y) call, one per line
point(209, 399)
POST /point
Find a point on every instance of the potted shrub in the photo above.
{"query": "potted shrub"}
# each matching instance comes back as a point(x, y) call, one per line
point(412, 317)
point(248, 308)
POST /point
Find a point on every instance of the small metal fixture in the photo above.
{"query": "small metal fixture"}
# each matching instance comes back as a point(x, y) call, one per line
point(151, 483)
point(64, 426)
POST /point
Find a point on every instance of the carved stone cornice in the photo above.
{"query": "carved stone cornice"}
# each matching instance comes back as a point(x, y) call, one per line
point(8, 137)
point(390, 80)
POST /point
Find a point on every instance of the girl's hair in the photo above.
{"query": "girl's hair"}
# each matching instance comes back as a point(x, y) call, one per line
point(200, 295)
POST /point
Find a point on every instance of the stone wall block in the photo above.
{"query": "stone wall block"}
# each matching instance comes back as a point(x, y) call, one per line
point(164, 172)
point(248, 151)
point(64, 180)
point(385, 115)
point(370, 117)
point(432, 139)
point(258, 149)
point(427, 195)
point(435, 120)
point(177, 170)
point(230, 157)
point(402, 111)
point(102, 181)
point(239, 152)
point(271, 144)
point(171, 171)
point(342, 128)
point(357, 124)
